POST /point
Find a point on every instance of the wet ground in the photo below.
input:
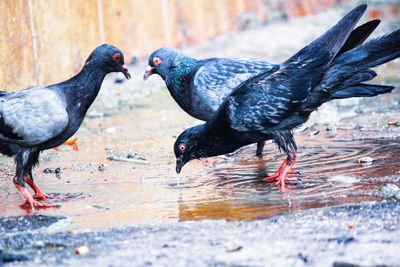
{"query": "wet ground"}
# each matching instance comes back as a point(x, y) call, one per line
point(138, 122)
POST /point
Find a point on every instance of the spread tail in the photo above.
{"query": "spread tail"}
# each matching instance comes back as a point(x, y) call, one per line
point(350, 70)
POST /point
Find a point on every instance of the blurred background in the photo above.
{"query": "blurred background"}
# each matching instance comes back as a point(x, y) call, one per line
point(46, 41)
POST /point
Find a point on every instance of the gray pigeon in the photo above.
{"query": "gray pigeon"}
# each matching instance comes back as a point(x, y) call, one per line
point(43, 117)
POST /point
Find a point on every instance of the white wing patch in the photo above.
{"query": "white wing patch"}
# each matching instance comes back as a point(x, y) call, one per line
point(36, 116)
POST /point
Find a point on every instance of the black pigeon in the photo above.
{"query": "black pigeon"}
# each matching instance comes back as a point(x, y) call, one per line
point(200, 86)
point(270, 106)
point(43, 117)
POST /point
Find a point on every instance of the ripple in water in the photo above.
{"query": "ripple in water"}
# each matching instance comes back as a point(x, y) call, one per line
point(231, 188)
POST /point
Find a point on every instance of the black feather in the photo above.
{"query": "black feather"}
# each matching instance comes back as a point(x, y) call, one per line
point(270, 106)
point(362, 90)
point(359, 35)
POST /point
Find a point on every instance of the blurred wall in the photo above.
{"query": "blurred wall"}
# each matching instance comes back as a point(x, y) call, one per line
point(46, 41)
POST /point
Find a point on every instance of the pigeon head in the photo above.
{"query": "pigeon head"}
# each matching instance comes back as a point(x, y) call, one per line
point(203, 141)
point(188, 146)
point(109, 58)
point(165, 60)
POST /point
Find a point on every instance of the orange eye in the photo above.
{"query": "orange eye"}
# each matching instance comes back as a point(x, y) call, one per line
point(117, 57)
point(182, 147)
point(157, 61)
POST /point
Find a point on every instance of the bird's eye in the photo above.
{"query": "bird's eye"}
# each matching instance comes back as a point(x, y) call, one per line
point(156, 61)
point(182, 147)
point(116, 57)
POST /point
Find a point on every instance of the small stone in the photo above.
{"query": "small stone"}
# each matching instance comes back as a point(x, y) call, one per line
point(111, 130)
point(47, 170)
point(102, 167)
point(389, 191)
point(83, 250)
point(365, 160)
point(331, 128)
point(232, 247)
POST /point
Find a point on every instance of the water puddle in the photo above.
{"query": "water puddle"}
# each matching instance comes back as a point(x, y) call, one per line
point(330, 176)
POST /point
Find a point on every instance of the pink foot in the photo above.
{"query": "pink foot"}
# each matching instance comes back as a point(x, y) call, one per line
point(282, 174)
point(30, 203)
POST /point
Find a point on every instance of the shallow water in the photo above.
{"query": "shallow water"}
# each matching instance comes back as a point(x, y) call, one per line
point(227, 187)
point(330, 176)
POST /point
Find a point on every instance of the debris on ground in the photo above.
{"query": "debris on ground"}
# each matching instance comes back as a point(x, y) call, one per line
point(102, 167)
point(365, 160)
point(130, 157)
point(390, 191)
point(393, 123)
point(83, 250)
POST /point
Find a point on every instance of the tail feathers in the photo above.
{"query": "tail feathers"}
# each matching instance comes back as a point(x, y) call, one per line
point(331, 41)
point(373, 53)
point(359, 35)
point(359, 77)
point(353, 66)
point(362, 90)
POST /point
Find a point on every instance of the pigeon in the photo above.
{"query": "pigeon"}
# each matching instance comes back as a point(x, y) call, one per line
point(269, 106)
point(200, 86)
point(44, 117)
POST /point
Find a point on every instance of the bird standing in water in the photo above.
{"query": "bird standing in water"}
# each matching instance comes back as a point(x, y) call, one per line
point(44, 117)
point(200, 86)
point(270, 106)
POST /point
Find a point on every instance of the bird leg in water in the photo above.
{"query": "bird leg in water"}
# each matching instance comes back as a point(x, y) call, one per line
point(260, 148)
point(282, 174)
point(72, 143)
point(38, 192)
point(30, 202)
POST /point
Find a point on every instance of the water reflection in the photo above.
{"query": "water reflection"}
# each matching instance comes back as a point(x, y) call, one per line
point(330, 176)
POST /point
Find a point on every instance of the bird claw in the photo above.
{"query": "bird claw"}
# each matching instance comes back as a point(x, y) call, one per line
point(41, 196)
point(30, 203)
point(282, 174)
point(277, 174)
point(33, 204)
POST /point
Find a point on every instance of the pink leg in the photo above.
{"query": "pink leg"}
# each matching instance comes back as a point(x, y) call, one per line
point(31, 203)
point(38, 192)
point(282, 174)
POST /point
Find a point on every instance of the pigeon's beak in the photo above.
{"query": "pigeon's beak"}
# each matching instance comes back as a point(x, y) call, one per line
point(180, 162)
point(148, 72)
point(124, 70)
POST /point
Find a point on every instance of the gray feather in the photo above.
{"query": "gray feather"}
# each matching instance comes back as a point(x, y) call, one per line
point(35, 116)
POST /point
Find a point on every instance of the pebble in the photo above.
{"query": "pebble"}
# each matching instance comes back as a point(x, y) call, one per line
point(365, 160)
point(389, 191)
point(102, 167)
point(83, 250)
point(51, 170)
